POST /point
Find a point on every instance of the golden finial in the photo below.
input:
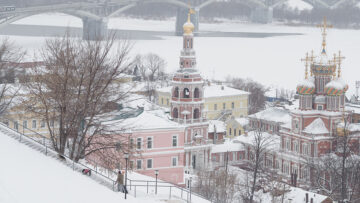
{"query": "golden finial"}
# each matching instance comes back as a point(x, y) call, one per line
point(311, 61)
point(306, 59)
point(334, 62)
point(339, 59)
point(324, 28)
point(189, 26)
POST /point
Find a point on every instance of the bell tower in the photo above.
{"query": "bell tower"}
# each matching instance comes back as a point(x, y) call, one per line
point(187, 103)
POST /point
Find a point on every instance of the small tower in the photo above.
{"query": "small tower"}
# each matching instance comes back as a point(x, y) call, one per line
point(187, 103)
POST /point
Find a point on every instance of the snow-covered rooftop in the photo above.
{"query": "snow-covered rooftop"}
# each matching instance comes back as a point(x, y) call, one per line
point(227, 146)
point(220, 126)
point(307, 82)
point(275, 114)
point(272, 140)
point(211, 91)
point(145, 121)
point(316, 127)
point(242, 121)
point(337, 83)
point(222, 91)
point(352, 127)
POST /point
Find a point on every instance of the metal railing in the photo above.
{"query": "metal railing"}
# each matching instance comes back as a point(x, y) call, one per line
point(45, 143)
point(174, 190)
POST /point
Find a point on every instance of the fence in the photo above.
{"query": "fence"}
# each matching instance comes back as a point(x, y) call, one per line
point(135, 186)
point(42, 144)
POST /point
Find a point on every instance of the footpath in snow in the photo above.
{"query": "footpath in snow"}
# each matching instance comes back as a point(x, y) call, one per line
point(29, 176)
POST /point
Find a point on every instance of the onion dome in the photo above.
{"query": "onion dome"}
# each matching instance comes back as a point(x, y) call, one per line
point(306, 87)
point(188, 26)
point(336, 87)
point(322, 59)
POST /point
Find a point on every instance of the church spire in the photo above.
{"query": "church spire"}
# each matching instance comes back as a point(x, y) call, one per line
point(307, 59)
point(324, 27)
point(189, 26)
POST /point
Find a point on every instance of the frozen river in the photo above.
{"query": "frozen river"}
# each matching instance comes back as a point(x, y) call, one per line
point(267, 53)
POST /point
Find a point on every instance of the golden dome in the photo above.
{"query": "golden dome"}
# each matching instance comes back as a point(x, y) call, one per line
point(188, 26)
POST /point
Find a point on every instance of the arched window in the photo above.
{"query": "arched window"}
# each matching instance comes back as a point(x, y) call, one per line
point(186, 93)
point(196, 93)
point(176, 92)
point(196, 113)
point(175, 113)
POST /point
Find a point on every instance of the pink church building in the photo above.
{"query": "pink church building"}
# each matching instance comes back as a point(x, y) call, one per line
point(177, 145)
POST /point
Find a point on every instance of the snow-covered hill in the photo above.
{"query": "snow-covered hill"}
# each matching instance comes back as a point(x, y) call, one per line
point(29, 176)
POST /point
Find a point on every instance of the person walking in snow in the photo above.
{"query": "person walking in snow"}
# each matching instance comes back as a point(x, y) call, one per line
point(120, 182)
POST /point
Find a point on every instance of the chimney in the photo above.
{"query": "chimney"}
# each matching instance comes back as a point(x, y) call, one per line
point(307, 198)
point(311, 200)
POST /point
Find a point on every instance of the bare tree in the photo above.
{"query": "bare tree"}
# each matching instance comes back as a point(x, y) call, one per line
point(75, 87)
point(138, 61)
point(156, 65)
point(10, 57)
point(257, 91)
point(337, 173)
point(151, 68)
point(261, 144)
point(219, 186)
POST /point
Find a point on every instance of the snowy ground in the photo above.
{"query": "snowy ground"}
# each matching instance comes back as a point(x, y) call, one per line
point(29, 176)
point(270, 60)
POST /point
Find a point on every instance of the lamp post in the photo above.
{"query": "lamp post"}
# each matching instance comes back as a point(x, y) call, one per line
point(156, 175)
point(190, 187)
point(126, 155)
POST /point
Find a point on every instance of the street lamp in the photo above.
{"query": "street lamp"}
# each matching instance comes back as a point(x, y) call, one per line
point(126, 156)
point(156, 175)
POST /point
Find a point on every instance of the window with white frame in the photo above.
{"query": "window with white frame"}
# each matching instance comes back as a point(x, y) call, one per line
point(42, 124)
point(149, 142)
point(138, 164)
point(25, 124)
point(16, 125)
point(288, 145)
point(295, 169)
point(215, 107)
point(305, 149)
point(174, 140)
point(149, 163)
point(269, 161)
point(138, 143)
point(305, 173)
point(131, 165)
point(286, 168)
point(277, 164)
point(174, 161)
point(296, 146)
point(232, 105)
point(33, 124)
point(131, 143)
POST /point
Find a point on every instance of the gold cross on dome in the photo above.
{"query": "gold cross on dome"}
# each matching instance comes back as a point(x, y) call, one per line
point(339, 59)
point(307, 59)
point(324, 27)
